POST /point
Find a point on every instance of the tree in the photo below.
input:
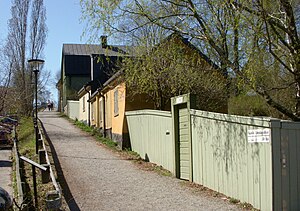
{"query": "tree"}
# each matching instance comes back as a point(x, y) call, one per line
point(5, 79)
point(176, 67)
point(38, 29)
point(24, 43)
point(230, 33)
point(281, 35)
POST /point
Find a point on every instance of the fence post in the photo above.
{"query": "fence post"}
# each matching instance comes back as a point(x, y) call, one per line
point(276, 159)
point(40, 144)
point(46, 174)
point(42, 156)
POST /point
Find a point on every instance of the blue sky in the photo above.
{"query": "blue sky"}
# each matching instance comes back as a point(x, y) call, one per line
point(63, 22)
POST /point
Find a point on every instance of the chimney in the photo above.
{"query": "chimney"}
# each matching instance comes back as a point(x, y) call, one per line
point(104, 41)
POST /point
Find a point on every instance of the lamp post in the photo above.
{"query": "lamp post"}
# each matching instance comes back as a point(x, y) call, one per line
point(35, 64)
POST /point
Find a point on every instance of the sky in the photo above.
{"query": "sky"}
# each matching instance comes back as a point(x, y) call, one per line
point(63, 22)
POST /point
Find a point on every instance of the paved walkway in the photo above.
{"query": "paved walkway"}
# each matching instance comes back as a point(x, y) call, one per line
point(6, 171)
point(94, 178)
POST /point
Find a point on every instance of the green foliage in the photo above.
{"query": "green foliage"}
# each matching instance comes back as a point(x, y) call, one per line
point(263, 73)
point(251, 104)
point(234, 201)
point(26, 137)
point(174, 68)
point(26, 147)
point(160, 170)
point(94, 132)
point(83, 126)
point(246, 105)
point(133, 153)
point(248, 206)
point(108, 142)
point(246, 38)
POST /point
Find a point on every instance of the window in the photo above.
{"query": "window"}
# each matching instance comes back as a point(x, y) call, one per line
point(116, 106)
point(83, 104)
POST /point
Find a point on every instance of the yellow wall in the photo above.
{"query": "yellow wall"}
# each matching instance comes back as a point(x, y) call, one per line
point(100, 112)
point(93, 113)
point(117, 123)
point(118, 120)
point(112, 121)
point(108, 104)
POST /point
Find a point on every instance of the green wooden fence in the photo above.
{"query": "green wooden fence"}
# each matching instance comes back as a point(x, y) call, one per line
point(151, 137)
point(254, 160)
point(286, 165)
point(224, 160)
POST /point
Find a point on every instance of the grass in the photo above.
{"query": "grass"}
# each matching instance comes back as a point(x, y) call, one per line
point(160, 170)
point(26, 146)
point(14, 177)
point(94, 132)
point(243, 205)
point(109, 143)
point(133, 154)
point(204, 191)
point(233, 200)
point(26, 138)
point(84, 127)
point(247, 206)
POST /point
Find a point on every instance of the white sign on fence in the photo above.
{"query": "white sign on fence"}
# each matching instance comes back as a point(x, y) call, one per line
point(259, 135)
point(179, 100)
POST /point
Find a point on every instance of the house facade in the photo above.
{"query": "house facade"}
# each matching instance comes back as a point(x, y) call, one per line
point(75, 71)
point(83, 63)
point(104, 106)
point(109, 105)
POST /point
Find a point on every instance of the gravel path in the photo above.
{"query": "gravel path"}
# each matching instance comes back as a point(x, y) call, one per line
point(6, 170)
point(98, 179)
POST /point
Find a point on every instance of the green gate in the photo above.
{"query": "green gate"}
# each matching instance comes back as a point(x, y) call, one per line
point(182, 136)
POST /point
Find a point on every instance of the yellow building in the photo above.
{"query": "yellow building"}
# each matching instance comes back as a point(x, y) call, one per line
point(108, 107)
point(109, 102)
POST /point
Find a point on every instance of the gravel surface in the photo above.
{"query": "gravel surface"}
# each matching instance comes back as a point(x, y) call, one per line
point(98, 179)
point(5, 171)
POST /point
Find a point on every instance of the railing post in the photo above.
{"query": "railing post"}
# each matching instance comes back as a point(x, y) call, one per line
point(40, 144)
point(36, 137)
point(42, 156)
point(46, 174)
point(34, 187)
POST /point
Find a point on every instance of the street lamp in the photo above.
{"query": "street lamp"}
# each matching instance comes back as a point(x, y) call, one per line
point(35, 65)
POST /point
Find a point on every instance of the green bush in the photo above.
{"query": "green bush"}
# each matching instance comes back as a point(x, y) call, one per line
point(250, 105)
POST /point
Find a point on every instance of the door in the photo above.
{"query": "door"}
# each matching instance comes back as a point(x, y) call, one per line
point(184, 144)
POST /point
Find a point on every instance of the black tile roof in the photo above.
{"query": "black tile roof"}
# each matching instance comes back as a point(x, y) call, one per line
point(89, 49)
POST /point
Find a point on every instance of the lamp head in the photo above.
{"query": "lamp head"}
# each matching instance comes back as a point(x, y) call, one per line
point(35, 63)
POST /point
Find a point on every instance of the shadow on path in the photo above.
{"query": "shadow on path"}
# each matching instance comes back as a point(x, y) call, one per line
point(61, 178)
point(5, 163)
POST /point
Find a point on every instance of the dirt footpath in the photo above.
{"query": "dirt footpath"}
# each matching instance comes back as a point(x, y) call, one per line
point(97, 179)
